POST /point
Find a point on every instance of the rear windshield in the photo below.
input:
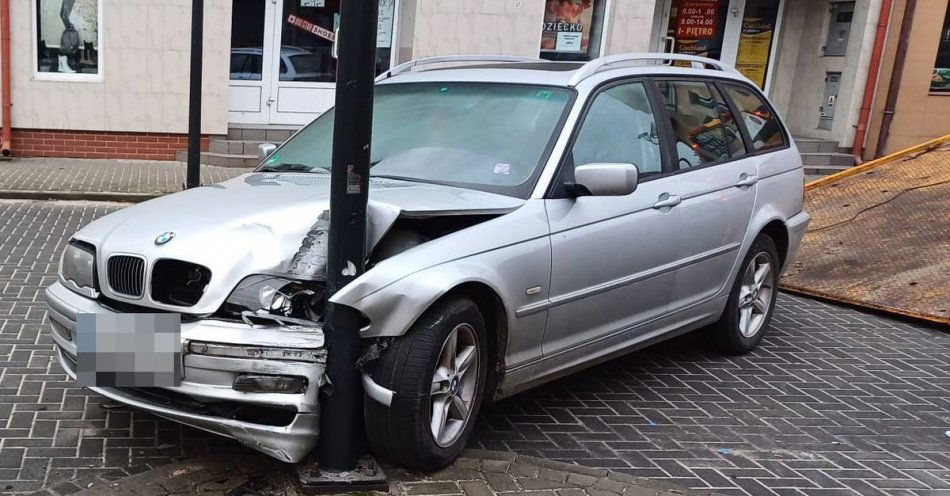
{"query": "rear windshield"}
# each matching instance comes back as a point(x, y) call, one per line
point(486, 136)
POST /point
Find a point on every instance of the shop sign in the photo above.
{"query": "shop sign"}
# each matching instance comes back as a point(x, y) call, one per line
point(311, 28)
point(696, 19)
point(566, 26)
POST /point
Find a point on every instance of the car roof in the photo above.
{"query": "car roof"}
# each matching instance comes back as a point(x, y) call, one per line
point(552, 73)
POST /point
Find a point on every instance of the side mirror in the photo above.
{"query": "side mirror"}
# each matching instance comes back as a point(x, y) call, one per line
point(607, 179)
point(265, 149)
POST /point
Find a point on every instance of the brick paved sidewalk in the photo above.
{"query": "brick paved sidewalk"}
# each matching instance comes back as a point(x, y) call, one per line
point(83, 179)
point(477, 473)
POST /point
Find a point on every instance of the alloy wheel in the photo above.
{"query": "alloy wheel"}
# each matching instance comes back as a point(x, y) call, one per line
point(454, 385)
point(755, 295)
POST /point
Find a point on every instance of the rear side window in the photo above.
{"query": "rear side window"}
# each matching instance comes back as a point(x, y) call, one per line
point(763, 126)
point(702, 135)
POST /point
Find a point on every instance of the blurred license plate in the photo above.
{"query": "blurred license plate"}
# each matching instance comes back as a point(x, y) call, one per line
point(128, 349)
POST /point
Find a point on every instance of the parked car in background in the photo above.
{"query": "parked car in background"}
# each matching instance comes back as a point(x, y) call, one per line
point(296, 64)
point(526, 219)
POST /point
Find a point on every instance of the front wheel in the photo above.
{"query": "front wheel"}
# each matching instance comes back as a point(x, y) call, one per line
point(751, 301)
point(437, 371)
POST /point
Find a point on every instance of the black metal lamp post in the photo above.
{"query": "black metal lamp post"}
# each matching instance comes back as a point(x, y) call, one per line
point(341, 419)
point(193, 174)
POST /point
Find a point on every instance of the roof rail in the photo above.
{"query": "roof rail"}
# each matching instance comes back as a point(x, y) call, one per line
point(446, 59)
point(594, 66)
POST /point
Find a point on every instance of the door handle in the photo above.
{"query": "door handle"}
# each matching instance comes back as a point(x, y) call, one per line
point(669, 201)
point(747, 181)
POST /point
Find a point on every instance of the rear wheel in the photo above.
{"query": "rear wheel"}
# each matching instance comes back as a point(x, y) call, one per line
point(437, 371)
point(751, 301)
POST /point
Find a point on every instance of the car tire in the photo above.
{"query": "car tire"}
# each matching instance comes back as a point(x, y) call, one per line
point(425, 369)
point(751, 301)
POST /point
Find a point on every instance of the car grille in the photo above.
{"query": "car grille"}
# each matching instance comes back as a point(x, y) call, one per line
point(126, 275)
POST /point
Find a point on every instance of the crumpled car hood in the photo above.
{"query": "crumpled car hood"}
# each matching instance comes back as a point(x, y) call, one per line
point(256, 223)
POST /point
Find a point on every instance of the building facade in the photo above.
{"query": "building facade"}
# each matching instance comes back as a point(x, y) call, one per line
point(109, 78)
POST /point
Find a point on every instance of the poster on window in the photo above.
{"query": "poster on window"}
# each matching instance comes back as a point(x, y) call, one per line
point(67, 34)
point(696, 19)
point(755, 46)
point(567, 26)
point(384, 23)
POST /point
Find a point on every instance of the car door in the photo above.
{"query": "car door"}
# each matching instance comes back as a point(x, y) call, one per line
point(610, 254)
point(717, 181)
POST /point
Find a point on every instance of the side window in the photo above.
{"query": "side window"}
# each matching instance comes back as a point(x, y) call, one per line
point(763, 126)
point(620, 128)
point(701, 135)
point(729, 125)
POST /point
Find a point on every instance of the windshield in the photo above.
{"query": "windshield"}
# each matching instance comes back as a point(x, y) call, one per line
point(485, 136)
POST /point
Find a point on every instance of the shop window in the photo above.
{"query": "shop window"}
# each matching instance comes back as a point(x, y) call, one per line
point(67, 38)
point(572, 29)
point(308, 31)
point(940, 80)
point(756, 39)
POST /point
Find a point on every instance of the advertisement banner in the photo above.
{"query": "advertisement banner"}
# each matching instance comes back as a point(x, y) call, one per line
point(697, 19)
point(755, 46)
point(566, 26)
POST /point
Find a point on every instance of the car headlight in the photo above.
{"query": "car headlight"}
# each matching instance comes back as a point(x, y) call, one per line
point(78, 265)
point(263, 295)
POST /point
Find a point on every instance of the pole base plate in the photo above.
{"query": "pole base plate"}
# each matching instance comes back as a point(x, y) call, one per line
point(367, 476)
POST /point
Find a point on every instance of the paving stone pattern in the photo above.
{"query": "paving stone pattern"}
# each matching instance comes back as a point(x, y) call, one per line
point(834, 401)
point(476, 473)
point(102, 176)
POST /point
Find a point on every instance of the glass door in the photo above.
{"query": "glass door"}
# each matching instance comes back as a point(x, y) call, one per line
point(706, 28)
point(760, 20)
point(740, 33)
point(282, 67)
point(252, 28)
point(304, 72)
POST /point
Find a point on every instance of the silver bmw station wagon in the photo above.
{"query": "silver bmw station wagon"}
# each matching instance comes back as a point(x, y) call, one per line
point(526, 219)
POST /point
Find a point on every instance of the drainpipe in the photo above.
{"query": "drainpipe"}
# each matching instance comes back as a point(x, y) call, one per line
point(5, 77)
point(897, 73)
point(870, 86)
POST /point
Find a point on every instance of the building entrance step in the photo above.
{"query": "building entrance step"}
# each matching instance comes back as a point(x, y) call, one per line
point(222, 159)
point(812, 145)
point(239, 147)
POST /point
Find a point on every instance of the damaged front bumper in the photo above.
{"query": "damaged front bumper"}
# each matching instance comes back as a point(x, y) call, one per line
point(214, 353)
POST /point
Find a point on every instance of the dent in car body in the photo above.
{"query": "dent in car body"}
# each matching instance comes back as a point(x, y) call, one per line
point(257, 223)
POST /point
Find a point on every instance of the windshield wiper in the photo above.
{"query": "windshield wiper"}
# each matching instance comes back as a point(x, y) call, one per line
point(294, 168)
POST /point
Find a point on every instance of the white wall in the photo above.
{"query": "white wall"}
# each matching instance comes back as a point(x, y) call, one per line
point(798, 84)
point(451, 27)
point(512, 27)
point(630, 25)
point(144, 60)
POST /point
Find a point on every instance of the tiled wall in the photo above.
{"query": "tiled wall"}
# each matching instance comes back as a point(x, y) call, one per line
point(630, 26)
point(513, 27)
point(144, 62)
point(449, 27)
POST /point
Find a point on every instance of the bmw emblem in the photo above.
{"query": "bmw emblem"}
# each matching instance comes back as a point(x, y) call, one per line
point(164, 238)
